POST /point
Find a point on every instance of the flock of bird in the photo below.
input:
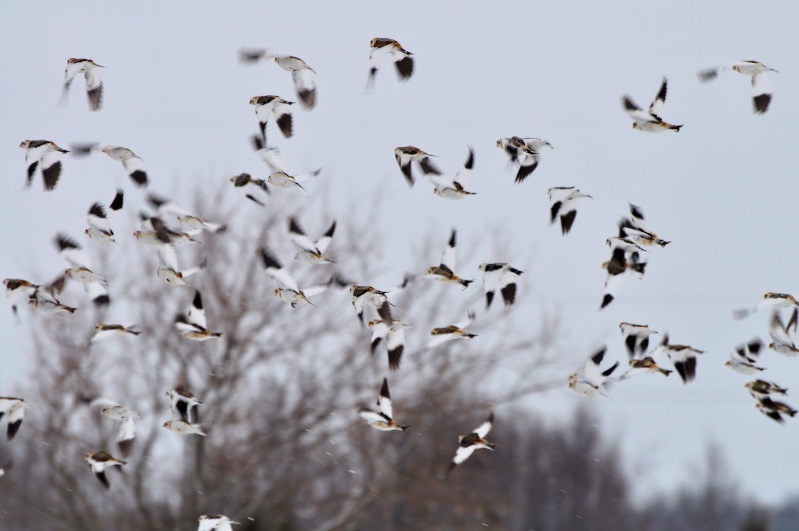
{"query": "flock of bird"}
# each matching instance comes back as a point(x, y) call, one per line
point(171, 226)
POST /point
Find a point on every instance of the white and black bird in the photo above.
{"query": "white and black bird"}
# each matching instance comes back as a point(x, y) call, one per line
point(774, 409)
point(635, 229)
point(683, 357)
point(454, 187)
point(645, 365)
point(383, 418)
point(452, 332)
point(561, 199)
point(621, 261)
point(590, 380)
point(252, 189)
point(526, 152)
point(379, 48)
point(744, 356)
point(636, 338)
point(282, 179)
point(15, 409)
point(309, 251)
point(762, 389)
point(445, 271)
point(277, 106)
point(770, 300)
point(761, 88)
point(134, 166)
point(192, 325)
point(101, 221)
point(184, 404)
point(394, 337)
point(99, 463)
point(18, 290)
point(783, 337)
point(183, 428)
point(476, 440)
point(650, 120)
point(44, 155)
point(407, 155)
point(499, 277)
point(91, 73)
point(363, 295)
point(81, 270)
point(304, 76)
point(289, 291)
point(104, 331)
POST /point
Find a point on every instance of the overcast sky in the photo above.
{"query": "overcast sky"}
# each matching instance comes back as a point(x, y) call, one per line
point(723, 190)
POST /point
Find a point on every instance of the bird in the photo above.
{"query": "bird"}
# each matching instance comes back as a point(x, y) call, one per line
point(444, 272)
point(247, 186)
point(523, 151)
point(467, 444)
point(184, 404)
point(273, 105)
point(94, 85)
point(134, 166)
point(636, 337)
point(449, 333)
point(453, 187)
point(192, 325)
point(101, 222)
point(45, 298)
point(99, 462)
point(406, 155)
point(589, 380)
point(762, 388)
point(646, 364)
point(43, 154)
point(81, 272)
point(361, 295)
point(620, 262)
point(183, 428)
point(289, 290)
point(308, 251)
point(379, 48)
point(499, 276)
point(382, 419)
point(650, 120)
point(15, 409)
point(783, 336)
point(682, 357)
point(394, 336)
point(104, 331)
point(770, 300)
point(215, 522)
point(634, 228)
point(561, 200)
point(284, 180)
point(18, 289)
point(126, 433)
point(761, 88)
point(774, 409)
point(304, 76)
point(743, 357)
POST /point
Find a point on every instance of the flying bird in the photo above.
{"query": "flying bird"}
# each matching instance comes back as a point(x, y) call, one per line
point(454, 187)
point(682, 357)
point(126, 433)
point(43, 154)
point(394, 336)
point(249, 187)
point(634, 228)
point(379, 48)
point(523, 151)
point(289, 291)
point(99, 462)
point(184, 404)
point(650, 120)
point(101, 222)
point(406, 155)
point(15, 409)
point(183, 428)
point(284, 180)
point(383, 418)
point(273, 105)
point(91, 73)
point(18, 289)
point(444, 272)
point(589, 380)
point(770, 300)
point(476, 440)
point(309, 251)
point(449, 333)
point(636, 338)
point(81, 270)
point(774, 409)
point(304, 76)
point(499, 276)
point(762, 388)
point(783, 337)
point(761, 88)
point(134, 166)
point(192, 325)
point(621, 261)
point(562, 205)
point(743, 357)
point(644, 365)
point(104, 331)
point(361, 295)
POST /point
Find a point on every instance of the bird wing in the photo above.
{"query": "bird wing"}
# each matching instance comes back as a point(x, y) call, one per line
point(462, 454)
point(483, 429)
point(305, 85)
point(656, 107)
point(126, 436)
point(196, 313)
point(384, 400)
point(278, 272)
point(709, 74)
point(299, 238)
point(761, 92)
point(135, 168)
point(448, 258)
point(94, 87)
point(168, 256)
point(465, 173)
point(325, 239)
point(72, 252)
point(271, 156)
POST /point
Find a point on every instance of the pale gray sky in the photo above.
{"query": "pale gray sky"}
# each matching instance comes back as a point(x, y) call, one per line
point(723, 189)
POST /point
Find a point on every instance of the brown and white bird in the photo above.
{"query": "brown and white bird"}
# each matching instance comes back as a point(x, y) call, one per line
point(650, 120)
point(775, 409)
point(761, 88)
point(682, 357)
point(379, 48)
point(526, 152)
point(273, 105)
point(383, 418)
point(762, 388)
point(184, 404)
point(126, 433)
point(644, 365)
point(452, 332)
point(81, 270)
point(44, 155)
point(249, 187)
point(15, 409)
point(499, 277)
point(91, 73)
point(101, 221)
point(183, 428)
point(406, 155)
point(105, 331)
point(304, 76)
point(309, 251)
point(454, 187)
point(589, 380)
point(770, 300)
point(363, 295)
point(99, 462)
point(743, 357)
point(476, 440)
point(621, 261)
point(289, 291)
point(562, 205)
point(635, 229)
point(445, 271)
point(193, 325)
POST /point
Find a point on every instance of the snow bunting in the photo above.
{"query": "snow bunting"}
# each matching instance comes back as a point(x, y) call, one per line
point(379, 48)
point(636, 338)
point(15, 408)
point(215, 522)
point(183, 428)
point(499, 276)
point(643, 365)
point(406, 155)
point(311, 252)
point(45, 298)
point(192, 325)
point(761, 88)
point(81, 266)
point(184, 404)
point(774, 409)
point(134, 166)
point(449, 333)
point(101, 222)
point(523, 151)
point(783, 336)
point(467, 444)
point(91, 73)
point(382, 418)
point(561, 200)
point(394, 336)
point(761, 388)
point(248, 187)
point(99, 462)
point(649, 120)
point(18, 289)
point(304, 76)
point(444, 272)
point(290, 291)
point(682, 357)
point(43, 154)
point(266, 105)
point(635, 229)
point(743, 357)
point(104, 331)
point(284, 180)
point(361, 295)
point(620, 262)
point(453, 188)
point(770, 300)
point(590, 381)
